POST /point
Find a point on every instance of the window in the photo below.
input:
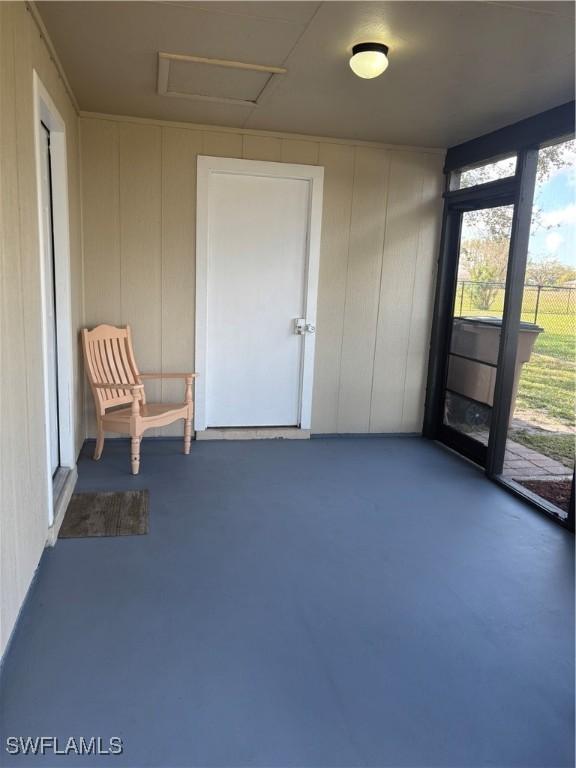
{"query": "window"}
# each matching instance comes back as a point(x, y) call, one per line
point(502, 368)
point(482, 174)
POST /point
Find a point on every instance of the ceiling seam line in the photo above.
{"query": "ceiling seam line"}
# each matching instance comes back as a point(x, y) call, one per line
point(290, 52)
point(219, 12)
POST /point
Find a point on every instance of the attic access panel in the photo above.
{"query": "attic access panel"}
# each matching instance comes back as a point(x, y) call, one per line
point(230, 82)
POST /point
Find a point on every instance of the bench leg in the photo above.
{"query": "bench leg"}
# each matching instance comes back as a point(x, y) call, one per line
point(135, 454)
point(187, 435)
point(99, 444)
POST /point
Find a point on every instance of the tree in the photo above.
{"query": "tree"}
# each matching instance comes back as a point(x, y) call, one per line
point(548, 271)
point(486, 233)
point(483, 263)
point(496, 223)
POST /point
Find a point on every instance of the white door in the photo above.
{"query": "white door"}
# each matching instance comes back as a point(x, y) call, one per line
point(259, 294)
point(50, 302)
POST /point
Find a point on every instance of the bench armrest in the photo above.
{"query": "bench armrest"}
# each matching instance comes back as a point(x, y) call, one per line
point(168, 375)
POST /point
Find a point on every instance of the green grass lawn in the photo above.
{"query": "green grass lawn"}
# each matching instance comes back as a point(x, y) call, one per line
point(559, 336)
point(547, 387)
point(558, 345)
point(547, 383)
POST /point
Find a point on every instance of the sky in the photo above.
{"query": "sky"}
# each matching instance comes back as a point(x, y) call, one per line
point(556, 197)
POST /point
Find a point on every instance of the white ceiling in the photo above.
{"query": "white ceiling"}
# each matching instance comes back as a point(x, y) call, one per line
point(457, 69)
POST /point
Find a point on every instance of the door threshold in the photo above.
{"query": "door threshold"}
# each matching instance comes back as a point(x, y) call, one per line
point(63, 486)
point(253, 433)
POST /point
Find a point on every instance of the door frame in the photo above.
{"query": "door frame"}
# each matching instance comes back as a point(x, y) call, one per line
point(455, 205)
point(45, 111)
point(524, 139)
point(314, 175)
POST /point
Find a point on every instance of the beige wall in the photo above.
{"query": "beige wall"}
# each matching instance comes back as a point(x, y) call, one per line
point(23, 475)
point(379, 242)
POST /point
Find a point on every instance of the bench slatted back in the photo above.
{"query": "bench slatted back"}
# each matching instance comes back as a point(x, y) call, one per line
point(109, 359)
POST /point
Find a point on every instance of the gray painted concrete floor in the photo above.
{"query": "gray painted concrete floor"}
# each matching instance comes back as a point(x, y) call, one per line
point(361, 602)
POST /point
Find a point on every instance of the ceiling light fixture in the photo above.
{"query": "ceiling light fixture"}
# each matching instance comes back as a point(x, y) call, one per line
point(369, 60)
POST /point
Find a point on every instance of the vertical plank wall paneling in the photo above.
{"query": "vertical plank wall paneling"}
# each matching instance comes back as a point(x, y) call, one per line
point(30, 285)
point(141, 243)
point(407, 214)
point(101, 222)
point(296, 151)
point(367, 226)
point(338, 163)
point(20, 541)
point(23, 449)
point(422, 300)
point(393, 329)
point(380, 226)
point(101, 231)
point(179, 151)
point(218, 144)
point(262, 148)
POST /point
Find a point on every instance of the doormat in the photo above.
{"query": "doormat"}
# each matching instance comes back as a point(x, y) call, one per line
point(116, 513)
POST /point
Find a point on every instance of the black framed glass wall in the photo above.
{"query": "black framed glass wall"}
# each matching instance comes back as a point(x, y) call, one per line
point(486, 338)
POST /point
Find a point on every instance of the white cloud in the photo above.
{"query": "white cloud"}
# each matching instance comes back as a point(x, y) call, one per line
point(567, 164)
point(560, 216)
point(553, 242)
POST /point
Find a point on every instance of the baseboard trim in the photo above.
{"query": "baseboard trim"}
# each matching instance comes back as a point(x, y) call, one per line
point(295, 434)
point(253, 433)
point(354, 435)
point(65, 490)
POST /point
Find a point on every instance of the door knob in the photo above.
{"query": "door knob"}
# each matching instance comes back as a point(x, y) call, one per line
point(301, 326)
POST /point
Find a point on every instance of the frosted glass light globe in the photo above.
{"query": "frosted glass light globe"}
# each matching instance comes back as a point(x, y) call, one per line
point(369, 60)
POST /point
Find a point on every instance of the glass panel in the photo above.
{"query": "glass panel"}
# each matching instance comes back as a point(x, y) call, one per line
point(476, 338)
point(468, 416)
point(482, 174)
point(477, 320)
point(541, 435)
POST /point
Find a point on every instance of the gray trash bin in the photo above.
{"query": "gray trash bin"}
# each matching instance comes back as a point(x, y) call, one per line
point(475, 342)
